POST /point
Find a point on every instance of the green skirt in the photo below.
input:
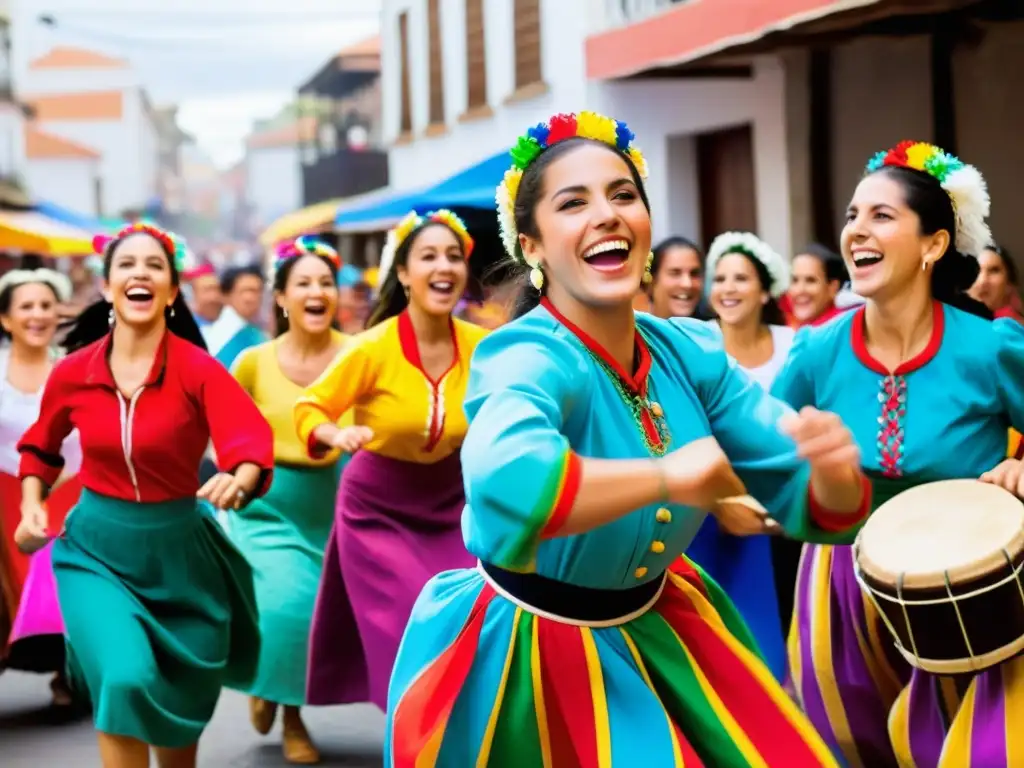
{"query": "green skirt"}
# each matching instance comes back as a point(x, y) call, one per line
point(283, 536)
point(159, 613)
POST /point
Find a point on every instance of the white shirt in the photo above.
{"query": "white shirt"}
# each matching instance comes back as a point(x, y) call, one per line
point(19, 411)
point(782, 341)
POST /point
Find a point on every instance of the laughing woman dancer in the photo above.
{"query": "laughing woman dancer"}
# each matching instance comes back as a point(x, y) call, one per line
point(31, 630)
point(677, 280)
point(818, 276)
point(401, 496)
point(583, 639)
point(158, 606)
point(928, 385)
point(283, 535)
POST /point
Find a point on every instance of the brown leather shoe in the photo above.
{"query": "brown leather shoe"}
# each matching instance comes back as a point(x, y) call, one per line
point(262, 715)
point(297, 746)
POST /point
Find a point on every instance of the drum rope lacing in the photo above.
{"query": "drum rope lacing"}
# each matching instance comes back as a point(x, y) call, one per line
point(873, 595)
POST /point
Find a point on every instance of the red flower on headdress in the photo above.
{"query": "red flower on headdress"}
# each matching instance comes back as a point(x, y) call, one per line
point(561, 127)
point(898, 154)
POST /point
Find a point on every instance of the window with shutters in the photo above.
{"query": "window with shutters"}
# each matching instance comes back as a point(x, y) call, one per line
point(405, 110)
point(436, 63)
point(476, 57)
point(527, 43)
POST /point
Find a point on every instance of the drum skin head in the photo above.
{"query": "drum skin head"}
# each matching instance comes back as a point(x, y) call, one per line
point(952, 528)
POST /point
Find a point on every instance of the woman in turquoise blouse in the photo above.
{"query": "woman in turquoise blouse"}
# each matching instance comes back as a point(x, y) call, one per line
point(929, 385)
point(597, 440)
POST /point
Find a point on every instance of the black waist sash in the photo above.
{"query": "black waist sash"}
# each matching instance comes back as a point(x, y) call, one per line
point(569, 601)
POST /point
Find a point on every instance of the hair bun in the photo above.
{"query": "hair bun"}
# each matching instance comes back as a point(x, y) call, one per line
point(962, 270)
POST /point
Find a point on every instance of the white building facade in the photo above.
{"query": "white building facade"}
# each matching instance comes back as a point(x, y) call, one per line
point(434, 135)
point(98, 101)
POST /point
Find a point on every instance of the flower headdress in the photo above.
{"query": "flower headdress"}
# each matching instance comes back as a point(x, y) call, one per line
point(60, 284)
point(410, 224)
point(963, 183)
point(304, 246)
point(582, 125)
point(183, 259)
point(756, 248)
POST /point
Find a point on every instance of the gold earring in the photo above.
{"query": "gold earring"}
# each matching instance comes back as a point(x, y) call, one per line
point(537, 277)
point(924, 265)
point(648, 276)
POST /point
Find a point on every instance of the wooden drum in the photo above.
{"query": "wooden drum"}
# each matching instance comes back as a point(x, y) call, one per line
point(942, 564)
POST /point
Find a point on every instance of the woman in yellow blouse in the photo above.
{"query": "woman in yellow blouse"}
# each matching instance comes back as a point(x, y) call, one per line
point(401, 498)
point(284, 533)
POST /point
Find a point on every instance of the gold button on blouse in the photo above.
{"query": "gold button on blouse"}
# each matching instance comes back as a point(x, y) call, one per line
point(657, 411)
point(640, 572)
point(657, 547)
point(663, 516)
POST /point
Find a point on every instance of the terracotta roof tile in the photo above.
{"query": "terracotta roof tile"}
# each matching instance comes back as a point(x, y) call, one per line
point(289, 135)
point(97, 105)
point(68, 57)
point(40, 145)
point(370, 47)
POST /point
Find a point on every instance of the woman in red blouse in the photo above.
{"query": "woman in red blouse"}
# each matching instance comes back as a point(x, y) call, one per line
point(158, 606)
point(818, 275)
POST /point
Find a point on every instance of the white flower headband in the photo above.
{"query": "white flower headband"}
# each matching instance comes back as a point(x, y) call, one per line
point(60, 284)
point(963, 183)
point(755, 247)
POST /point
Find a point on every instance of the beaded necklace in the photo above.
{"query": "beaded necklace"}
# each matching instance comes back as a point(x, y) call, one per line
point(648, 416)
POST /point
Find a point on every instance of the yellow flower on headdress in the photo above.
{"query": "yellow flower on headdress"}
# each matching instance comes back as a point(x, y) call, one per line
point(456, 225)
point(639, 161)
point(590, 125)
point(918, 154)
point(405, 226)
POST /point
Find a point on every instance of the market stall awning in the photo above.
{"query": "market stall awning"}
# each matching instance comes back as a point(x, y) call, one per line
point(36, 232)
point(307, 221)
point(75, 219)
point(472, 187)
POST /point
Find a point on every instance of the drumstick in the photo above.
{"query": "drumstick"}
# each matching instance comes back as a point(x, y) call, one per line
point(748, 501)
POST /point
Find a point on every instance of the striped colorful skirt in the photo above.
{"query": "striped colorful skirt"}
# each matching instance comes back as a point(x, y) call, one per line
point(870, 705)
point(397, 525)
point(31, 626)
point(283, 536)
point(480, 680)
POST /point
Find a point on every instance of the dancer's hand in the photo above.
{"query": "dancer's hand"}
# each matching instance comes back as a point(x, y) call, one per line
point(699, 475)
point(825, 441)
point(351, 439)
point(224, 491)
point(32, 533)
point(1008, 474)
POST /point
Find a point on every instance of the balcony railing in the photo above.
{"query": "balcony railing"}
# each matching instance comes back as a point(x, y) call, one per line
point(344, 173)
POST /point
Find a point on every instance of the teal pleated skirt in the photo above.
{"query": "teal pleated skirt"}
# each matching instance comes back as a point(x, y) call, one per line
point(159, 613)
point(283, 536)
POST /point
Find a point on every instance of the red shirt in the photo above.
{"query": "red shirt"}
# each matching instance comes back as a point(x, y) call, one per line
point(147, 447)
point(1008, 311)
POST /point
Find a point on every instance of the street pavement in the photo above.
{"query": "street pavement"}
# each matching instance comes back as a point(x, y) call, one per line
point(348, 737)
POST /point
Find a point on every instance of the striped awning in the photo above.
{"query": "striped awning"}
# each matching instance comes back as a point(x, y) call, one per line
point(35, 232)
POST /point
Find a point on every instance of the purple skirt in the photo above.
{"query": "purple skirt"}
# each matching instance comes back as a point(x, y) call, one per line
point(37, 634)
point(397, 525)
point(870, 705)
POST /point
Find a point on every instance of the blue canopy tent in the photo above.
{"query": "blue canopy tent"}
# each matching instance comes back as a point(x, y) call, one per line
point(471, 188)
point(67, 216)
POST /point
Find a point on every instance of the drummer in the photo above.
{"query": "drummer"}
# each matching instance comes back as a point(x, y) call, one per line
point(928, 384)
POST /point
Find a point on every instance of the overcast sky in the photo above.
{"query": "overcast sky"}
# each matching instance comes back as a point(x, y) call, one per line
point(226, 62)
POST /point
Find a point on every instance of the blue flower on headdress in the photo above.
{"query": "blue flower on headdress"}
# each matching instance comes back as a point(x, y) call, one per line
point(876, 162)
point(539, 133)
point(623, 136)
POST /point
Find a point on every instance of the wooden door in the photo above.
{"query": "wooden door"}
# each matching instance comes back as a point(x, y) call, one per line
point(725, 173)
